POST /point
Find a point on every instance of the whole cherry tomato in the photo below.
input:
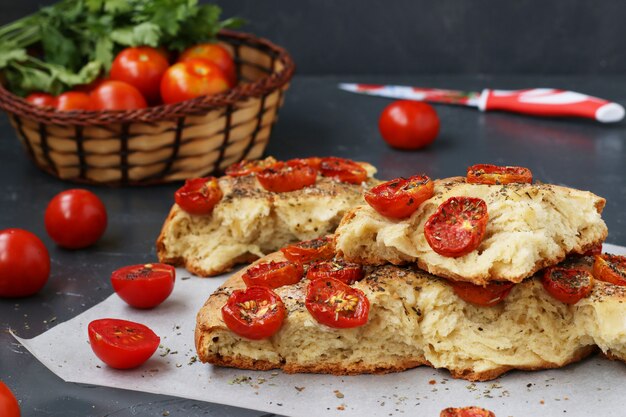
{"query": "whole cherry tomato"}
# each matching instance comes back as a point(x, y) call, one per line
point(24, 263)
point(191, 79)
point(9, 407)
point(122, 344)
point(320, 249)
point(283, 177)
point(42, 100)
point(273, 274)
point(487, 296)
point(399, 198)
point(335, 304)
point(215, 53)
point(568, 285)
point(493, 174)
point(75, 219)
point(254, 313)
point(142, 67)
point(117, 95)
point(199, 195)
point(74, 100)
point(145, 285)
point(406, 124)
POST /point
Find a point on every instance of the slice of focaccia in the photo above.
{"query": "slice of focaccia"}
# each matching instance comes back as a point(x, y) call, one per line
point(530, 226)
point(417, 319)
point(250, 222)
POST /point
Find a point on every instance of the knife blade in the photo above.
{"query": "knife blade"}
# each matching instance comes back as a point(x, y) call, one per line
point(543, 102)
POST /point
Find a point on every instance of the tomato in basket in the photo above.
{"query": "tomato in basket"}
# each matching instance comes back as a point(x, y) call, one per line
point(142, 67)
point(191, 79)
point(117, 95)
point(215, 53)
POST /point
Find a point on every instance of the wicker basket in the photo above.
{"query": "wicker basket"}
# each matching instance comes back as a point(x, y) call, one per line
point(164, 143)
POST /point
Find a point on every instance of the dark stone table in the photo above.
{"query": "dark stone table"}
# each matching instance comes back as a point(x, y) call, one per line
point(317, 119)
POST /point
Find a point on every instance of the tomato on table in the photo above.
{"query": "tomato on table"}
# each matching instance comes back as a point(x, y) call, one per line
point(42, 100)
point(399, 198)
point(9, 407)
point(142, 67)
point(190, 79)
point(144, 285)
point(74, 100)
point(273, 274)
point(215, 53)
point(24, 263)
point(343, 170)
point(457, 227)
point(339, 269)
point(245, 167)
point(75, 219)
point(199, 195)
point(122, 344)
point(254, 313)
point(406, 124)
point(335, 304)
point(319, 249)
point(487, 296)
point(283, 177)
point(117, 95)
point(494, 174)
point(568, 285)
point(466, 412)
point(610, 268)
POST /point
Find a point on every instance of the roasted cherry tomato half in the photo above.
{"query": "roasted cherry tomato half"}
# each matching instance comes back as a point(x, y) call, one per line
point(9, 407)
point(610, 268)
point(406, 124)
point(339, 269)
point(282, 177)
point(568, 285)
point(254, 313)
point(215, 53)
point(142, 67)
point(343, 170)
point(117, 95)
point(466, 412)
point(122, 344)
point(594, 250)
point(313, 162)
point(74, 100)
point(191, 79)
point(490, 295)
point(42, 100)
point(335, 304)
point(320, 249)
point(399, 198)
point(24, 263)
point(199, 195)
point(457, 227)
point(273, 274)
point(75, 219)
point(144, 285)
point(245, 167)
point(494, 174)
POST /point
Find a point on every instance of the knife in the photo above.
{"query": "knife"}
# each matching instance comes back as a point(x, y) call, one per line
point(546, 102)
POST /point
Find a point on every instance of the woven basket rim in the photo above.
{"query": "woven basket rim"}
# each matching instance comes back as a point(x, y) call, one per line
point(14, 104)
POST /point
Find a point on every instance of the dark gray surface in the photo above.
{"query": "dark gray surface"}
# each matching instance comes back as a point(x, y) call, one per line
point(317, 119)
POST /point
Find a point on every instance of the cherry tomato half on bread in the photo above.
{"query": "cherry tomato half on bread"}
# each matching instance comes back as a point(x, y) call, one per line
point(568, 285)
point(75, 219)
point(24, 263)
point(466, 412)
point(273, 274)
point(610, 268)
point(245, 167)
point(399, 198)
point(283, 177)
point(142, 67)
point(74, 100)
point(487, 296)
point(406, 124)
point(457, 227)
point(493, 174)
point(9, 407)
point(254, 313)
point(313, 162)
point(122, 344)
point(343, 170)
point(215, 53)
point(42, 100)
point(191, 79)
point(117, 95)
point(335, 304)
point(339, 269)
point(199, 195)
point(144, 285)
point(320, 249)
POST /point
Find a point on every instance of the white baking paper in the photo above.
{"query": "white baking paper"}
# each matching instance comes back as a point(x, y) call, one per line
point(592, 387)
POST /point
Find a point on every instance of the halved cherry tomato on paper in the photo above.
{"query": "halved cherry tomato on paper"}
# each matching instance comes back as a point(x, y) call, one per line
point(457, 227)
point(343, 170)
point(9, 407)
point(215, 53)
point(487, 296)
point(142, 67)
point(42, 100)
point(406, 124)
point(283, 177)
point(245, 167)
point(610, 268)
point(568, 285)
point(191, 79)
point(494, 174)
point(273, 274)
point(144, 285)
point(74, 100)
point(346, 272)
point(254, 313)
point(122, 344)
point(466, 412)
point(335, 304)
point(199, 195)
point(24, 263)
point(320, 249)
point(117, 95)
point(399, 198)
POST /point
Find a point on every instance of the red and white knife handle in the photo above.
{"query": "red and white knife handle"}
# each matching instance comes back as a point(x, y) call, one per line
point(550, 102)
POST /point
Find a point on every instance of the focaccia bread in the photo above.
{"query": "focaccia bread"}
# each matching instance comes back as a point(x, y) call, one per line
point(530, 226)
point(417, 319)
point(250, 222)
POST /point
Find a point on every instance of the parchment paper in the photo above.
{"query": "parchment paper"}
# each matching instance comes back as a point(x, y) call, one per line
point(592, 387)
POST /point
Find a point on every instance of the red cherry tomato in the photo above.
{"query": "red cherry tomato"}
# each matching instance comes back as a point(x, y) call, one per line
point(493, 174)
point(191, 79)
point(117, 95)
point(199, 195)
point(254, 313)
point(142, 67)
point(568, 285)
point(284, 177)
point(245, 167)
point(122, 344)
point(273, 274)
point(215, 53)
point(339, 269)
point(320, 249)
point(466, 412)
point(490, 295)
point(610, 268)
point(335, 304)
point(74, 100)
point(42, 100)
point(343, 170)
point(313, 162)
point(399, 198)
point(75, 219)
point(24, 263)
point(406, 124)
point(145, 285)
point(9, 407)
